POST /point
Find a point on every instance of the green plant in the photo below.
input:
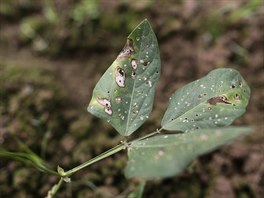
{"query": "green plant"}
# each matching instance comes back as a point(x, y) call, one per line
point(198, 113)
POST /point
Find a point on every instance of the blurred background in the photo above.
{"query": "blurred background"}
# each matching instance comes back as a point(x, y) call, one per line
point(52, 53)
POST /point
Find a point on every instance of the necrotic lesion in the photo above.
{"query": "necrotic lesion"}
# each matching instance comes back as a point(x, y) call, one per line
point(218, 99)
point(127, 50)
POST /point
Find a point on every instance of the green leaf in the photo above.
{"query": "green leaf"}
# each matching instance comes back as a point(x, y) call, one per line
point(124, 94)
point(213, 101)
point(168, 155)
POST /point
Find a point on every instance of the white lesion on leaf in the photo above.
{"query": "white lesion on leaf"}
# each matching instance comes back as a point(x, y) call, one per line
point(118, 99)
point(120, 77)
point(134, 68)
point(149, 83)
point(134, 64)
point(127, 50)
point(106, 104)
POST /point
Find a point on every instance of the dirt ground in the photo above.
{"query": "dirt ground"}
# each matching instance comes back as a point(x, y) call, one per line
point(52, 55)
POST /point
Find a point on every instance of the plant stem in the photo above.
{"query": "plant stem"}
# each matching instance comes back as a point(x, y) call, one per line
point(148, 135)
point(54, 189)
point(95, 159)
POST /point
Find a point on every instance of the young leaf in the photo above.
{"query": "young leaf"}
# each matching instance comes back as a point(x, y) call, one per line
point(215, 100)
point(124, 94)
point(28, 157)
point(168, 155)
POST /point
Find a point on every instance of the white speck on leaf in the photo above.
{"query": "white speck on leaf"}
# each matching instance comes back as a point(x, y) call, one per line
point(134, 64)
point(204, 137)
point(118, 99)
point(149, 83)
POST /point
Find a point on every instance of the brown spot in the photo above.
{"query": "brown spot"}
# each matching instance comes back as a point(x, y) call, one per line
point(121, 71)
point(133, 74)
point(237, 97)
point(218, 99)
point(127, 50)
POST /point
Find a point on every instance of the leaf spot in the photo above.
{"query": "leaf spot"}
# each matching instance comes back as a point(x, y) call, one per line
point(120, 77)
point(133, 74)
point(218, 99)
point(237, 97)
point(204, 137)
point(118, 99)
point(149, 83)
point(161, 153)
point(108, 111)
point(145, 63)
point(127, 50)
point(106, 104)
point(134, 64)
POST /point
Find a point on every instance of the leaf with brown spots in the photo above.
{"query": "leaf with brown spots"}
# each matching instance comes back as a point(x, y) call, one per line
point(215, 100)
point(129, 83)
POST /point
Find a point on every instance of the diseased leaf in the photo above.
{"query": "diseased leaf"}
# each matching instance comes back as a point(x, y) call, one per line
point(168, 155)
point(124, 94)
point(215, 100)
